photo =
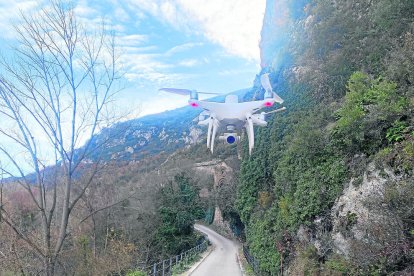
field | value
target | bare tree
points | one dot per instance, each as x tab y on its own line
55	95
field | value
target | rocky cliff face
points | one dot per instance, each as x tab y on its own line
338	189
361	211
223	179
150	135
364	222
275	35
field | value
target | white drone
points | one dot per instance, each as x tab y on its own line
231	116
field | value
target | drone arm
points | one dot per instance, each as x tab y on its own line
256	119
277	110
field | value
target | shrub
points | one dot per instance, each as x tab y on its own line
396	132
370	107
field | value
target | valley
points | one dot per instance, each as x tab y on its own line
328	188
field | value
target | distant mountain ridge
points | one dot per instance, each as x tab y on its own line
164	132
153	136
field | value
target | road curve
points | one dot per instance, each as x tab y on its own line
223	260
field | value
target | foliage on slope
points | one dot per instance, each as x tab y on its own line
156	134
178	209
349	92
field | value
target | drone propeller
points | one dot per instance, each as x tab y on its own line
265	81
208	93
178	91
184	92
277	98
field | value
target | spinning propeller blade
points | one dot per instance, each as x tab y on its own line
277	98
184	92
265	81
208	93
178	91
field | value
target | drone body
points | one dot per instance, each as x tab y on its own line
230	117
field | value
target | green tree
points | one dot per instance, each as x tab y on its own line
179	207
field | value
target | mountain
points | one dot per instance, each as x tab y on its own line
329	187
155	134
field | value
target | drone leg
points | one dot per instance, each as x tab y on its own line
210	126
213	137
250	133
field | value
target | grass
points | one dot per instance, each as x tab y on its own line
248	269
186	264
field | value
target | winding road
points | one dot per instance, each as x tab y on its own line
223	260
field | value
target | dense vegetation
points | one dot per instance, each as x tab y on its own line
347	80
129	219
179	207
350	97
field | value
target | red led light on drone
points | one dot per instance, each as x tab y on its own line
194	104
268	104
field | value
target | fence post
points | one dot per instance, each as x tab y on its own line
179	258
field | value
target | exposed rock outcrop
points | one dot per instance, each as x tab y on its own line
222	175
361	225
364	226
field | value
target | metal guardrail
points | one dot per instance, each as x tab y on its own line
165	267
251	260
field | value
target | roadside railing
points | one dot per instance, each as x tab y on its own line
165	267
251	260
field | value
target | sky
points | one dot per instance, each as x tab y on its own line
207	45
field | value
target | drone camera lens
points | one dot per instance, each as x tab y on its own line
231	139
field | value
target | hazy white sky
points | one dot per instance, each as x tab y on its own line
208	45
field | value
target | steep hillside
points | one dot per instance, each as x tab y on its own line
329	188
151	135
